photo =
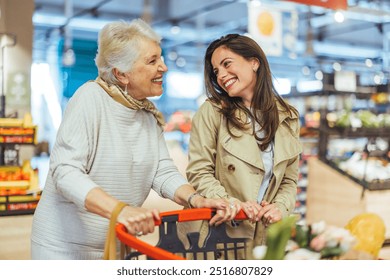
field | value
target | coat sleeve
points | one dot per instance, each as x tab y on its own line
286	195
202	152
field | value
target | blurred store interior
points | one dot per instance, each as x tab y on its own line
330	60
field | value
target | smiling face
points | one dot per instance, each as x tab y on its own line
145	78
235	74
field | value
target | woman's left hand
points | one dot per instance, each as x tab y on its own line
270	213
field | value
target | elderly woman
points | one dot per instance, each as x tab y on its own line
110	148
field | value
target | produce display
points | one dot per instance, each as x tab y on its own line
19	186
367	169
180	121
359	119
369	230
361	238
366	157
381	98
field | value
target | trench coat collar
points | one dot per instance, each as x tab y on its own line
246	149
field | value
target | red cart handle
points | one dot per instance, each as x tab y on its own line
185	215
196	214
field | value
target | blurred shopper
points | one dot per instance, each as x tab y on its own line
244	144
110	148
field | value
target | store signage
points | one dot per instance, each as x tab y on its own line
18	91
331	4
265	27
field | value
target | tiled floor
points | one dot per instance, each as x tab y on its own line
15	237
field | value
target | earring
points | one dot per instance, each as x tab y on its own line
126	89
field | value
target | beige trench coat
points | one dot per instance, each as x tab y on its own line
224	166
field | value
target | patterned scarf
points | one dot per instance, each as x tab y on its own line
123	98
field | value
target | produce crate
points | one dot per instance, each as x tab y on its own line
18	202
18	177
19	190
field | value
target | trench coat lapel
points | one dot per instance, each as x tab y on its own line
244	147
286	145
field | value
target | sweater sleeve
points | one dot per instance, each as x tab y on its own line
74	146
168	178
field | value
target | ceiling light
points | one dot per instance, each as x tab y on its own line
378	79
175	29
181	62
309	86
292	55
336	66
319	75
306	70
282	85
369	63
172	55
339	17
255	3
68	58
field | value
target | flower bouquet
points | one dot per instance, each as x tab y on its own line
318	241
361	238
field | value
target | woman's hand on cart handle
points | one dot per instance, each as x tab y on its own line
137	220
270	213
253	210
228	213
223	207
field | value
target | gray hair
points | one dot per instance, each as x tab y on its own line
118	46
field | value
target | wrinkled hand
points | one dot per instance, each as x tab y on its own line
270	213
137	220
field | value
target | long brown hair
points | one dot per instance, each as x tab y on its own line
265	96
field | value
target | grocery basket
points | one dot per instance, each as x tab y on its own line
217	243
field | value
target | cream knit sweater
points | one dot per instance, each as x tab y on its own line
100	143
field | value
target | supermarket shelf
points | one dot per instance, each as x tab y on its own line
372	186
349	132
21	184
17	212
327	133
11	205
336	199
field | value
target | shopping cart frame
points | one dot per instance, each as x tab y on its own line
169	247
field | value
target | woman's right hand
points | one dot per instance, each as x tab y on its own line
137	220
252	210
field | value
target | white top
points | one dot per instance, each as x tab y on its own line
267	156
100	143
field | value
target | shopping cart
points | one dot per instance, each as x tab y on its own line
217	243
